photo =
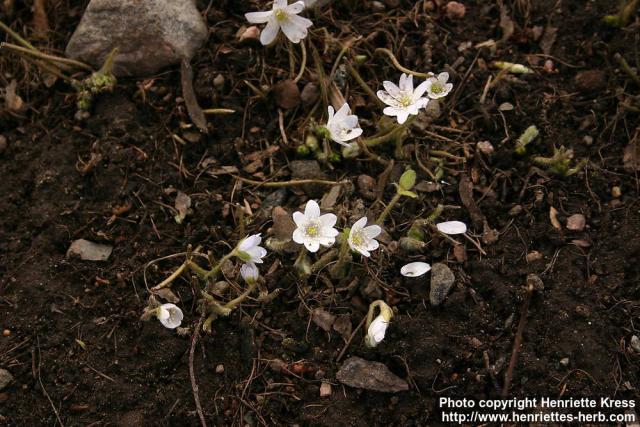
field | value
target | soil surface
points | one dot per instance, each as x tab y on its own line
73	339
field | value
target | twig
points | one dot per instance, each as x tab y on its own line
218	111
395	62
44	390
46	57
288	183
348	343
358	78
16	36
517	342
626	68
192	375
304	62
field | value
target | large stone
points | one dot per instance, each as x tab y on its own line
442	279
360	373
149	34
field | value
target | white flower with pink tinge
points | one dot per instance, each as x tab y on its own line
362	239
314	229
342	125
403	100
282	16
169	315
249	249
437	87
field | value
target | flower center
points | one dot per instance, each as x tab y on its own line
281	15
437	87
406	100
357	238
312	230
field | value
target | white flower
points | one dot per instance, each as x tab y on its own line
170	315
403	100
376	331
249	249
362	239
314	229
249	272
452	227
415	269
437	87
342	126
284	17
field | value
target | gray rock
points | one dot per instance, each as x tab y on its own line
149	35
5	378
635	344
308	169
360	373
442	280
89	251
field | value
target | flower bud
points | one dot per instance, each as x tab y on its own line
407	180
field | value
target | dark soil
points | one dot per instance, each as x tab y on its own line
77	348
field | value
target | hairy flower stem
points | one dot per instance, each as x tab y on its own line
215	270
324	260
388	209
339	270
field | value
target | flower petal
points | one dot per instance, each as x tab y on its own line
311	210
443	77
270	32
391	89
258	17
298	236
295	8
372	245
331	114
312	245
403	115
299	219
294	32
406	83
280	4
343	112
353	133
328	220
257	253
452	227
420	90
385	97
249	242
372	231
414	269
359	224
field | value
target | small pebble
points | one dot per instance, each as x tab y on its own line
485	147
325	389
591	81
533	256
576	222
564	361
5	378
616	192
219	369
635	343
455	10
588	140
6	333
218	81
250	34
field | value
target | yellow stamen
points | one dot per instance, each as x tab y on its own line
281	15
436	88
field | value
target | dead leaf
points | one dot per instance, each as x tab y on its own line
631	157
12	100
506	23
553	217
465	188
40	21
167	294
342	325
182	205
194	110
548	39
286	94
283	225
323	319
329	199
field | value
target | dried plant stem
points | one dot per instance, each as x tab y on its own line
288	183
16	36
192	375
516	343
395	62
56	60
218	111
303	64
358	78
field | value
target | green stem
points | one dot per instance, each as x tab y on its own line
16	36
324	260
343	255
215	270
388	209
358	78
